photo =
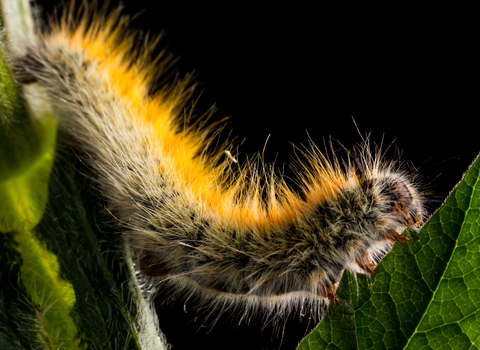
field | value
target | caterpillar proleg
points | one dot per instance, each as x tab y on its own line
233	238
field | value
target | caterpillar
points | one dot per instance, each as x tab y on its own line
233	237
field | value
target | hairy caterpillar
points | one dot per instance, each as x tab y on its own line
238	240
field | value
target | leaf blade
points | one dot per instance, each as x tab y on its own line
455	305
426	294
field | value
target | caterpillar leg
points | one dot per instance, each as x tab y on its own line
394	236
366	264
330	293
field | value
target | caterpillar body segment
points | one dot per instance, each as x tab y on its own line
241	240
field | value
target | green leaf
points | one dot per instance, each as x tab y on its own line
25	136
110	311
35	303
426	294
66	281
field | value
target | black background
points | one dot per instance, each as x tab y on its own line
406	75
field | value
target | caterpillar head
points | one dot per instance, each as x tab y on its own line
398	208
401	202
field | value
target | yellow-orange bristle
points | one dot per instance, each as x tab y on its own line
129	77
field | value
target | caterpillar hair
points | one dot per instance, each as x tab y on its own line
233	237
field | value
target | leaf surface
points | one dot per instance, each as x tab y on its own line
426	294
